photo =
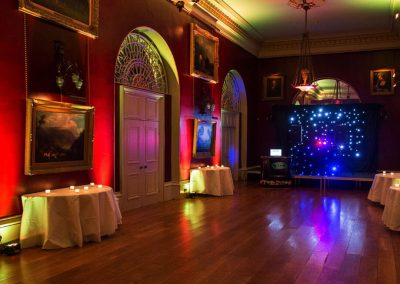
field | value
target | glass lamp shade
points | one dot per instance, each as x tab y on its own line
306	88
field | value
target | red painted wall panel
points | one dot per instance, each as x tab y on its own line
97	58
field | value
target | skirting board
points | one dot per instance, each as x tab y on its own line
9	228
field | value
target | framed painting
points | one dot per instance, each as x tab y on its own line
382	82
273	86
203	54
59	137
79	15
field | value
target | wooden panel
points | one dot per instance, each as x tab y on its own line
134	106
152	110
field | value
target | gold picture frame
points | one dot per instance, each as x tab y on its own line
204	60
382	82
273	87
58	138
79	15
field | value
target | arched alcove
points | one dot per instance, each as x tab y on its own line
234	122
145	65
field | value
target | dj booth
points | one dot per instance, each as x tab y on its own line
275	171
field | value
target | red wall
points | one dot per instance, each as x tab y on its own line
97	59
354	68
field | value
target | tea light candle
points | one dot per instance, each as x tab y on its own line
77	190
47	191
72	187
100	186
396	185
392	173
92	184
199	167
208	166
212	167
85	187
384	172
222	166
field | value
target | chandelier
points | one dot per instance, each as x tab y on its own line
305	76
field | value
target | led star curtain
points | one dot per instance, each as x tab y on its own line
329	140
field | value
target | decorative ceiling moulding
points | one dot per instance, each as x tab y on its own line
338	44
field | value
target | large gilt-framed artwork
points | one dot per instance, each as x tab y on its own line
59	137
273	87
203	54
382	81
79	15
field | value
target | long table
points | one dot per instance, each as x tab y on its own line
212	180
65	217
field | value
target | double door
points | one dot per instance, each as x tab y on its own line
140	158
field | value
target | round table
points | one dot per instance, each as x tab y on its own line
64	217
391	212
380	186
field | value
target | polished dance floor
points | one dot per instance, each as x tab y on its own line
258	235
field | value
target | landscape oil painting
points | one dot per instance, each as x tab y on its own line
59	137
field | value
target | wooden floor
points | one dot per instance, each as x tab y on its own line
259	235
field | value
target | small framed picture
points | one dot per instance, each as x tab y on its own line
382	81
273	86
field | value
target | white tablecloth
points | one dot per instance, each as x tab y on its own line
380	186
391	213
213	180
65	218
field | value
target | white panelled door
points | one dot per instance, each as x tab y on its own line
140	159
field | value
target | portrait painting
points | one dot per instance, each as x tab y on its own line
59	137
273	86
79	15
203	54
382	81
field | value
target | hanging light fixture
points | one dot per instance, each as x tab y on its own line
305	76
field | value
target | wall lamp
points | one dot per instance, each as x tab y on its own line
180	5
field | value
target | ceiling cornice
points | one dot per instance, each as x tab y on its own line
328	45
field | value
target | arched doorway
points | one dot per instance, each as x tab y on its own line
329	91
146	78
234	123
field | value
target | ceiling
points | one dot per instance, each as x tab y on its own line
271	28
275	19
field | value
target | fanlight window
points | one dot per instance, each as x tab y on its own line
230	93
140	65
329	91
